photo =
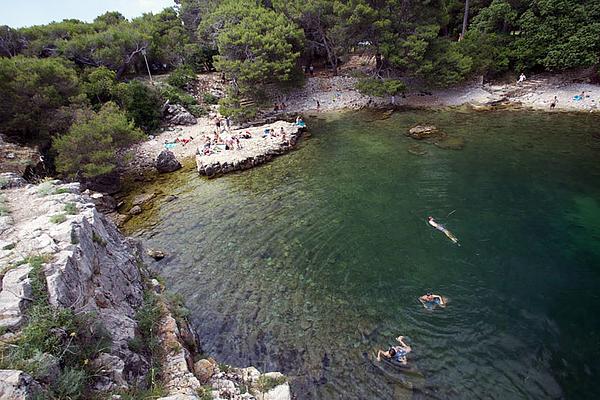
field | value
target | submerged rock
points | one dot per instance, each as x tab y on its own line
156	254
421	132
451	143
166	162
142	199
416	149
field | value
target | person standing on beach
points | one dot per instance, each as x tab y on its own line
522	78
318	104
553	104
311	69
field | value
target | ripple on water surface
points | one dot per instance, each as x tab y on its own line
312	262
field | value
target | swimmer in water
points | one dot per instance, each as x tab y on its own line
442	228
431	300
396	353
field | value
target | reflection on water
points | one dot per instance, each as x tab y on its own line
312	262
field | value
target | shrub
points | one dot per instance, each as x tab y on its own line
380	88
100	85
71	209
89	148
58	218
141	102
177	96
230	106
3	207
181	77
197	110
266	383
70	384
210	98
33	90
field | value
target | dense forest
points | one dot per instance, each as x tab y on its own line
72	85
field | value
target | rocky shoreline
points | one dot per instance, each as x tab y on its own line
52	238
323	93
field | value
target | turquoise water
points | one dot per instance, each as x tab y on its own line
312	262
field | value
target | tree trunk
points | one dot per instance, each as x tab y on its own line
378	61
465	19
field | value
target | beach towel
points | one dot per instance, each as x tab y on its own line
169	146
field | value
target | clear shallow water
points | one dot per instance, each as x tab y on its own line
310	263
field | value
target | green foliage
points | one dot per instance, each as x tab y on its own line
210	98
197	110
70	384
72	340
100	85
256	45
379	87
177	96
33	91
141	102
98	239
181	77
89	148
58	218
230	106
266	383
205	393
148	317
71	209
4	210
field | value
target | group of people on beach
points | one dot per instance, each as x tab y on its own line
429	300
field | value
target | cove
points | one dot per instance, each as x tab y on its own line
310	263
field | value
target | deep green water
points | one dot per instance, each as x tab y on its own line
310	263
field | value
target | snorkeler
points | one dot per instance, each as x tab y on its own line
431	300
396	353
442	228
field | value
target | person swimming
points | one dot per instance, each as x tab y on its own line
396	353
430	301
442	228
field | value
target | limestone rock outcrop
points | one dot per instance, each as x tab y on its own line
17	385
176	114
90	268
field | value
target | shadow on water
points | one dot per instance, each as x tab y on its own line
310	263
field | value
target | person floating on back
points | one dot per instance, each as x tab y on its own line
396	353
430	301
442	228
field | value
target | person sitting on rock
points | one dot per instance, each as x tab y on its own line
396	353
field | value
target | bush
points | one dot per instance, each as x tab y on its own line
141	102
266	383
100	85
177	96
89	148
33	91
71	209
70	384
181	77
3	207
210	98
230	106
197	110
380	88
58	218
